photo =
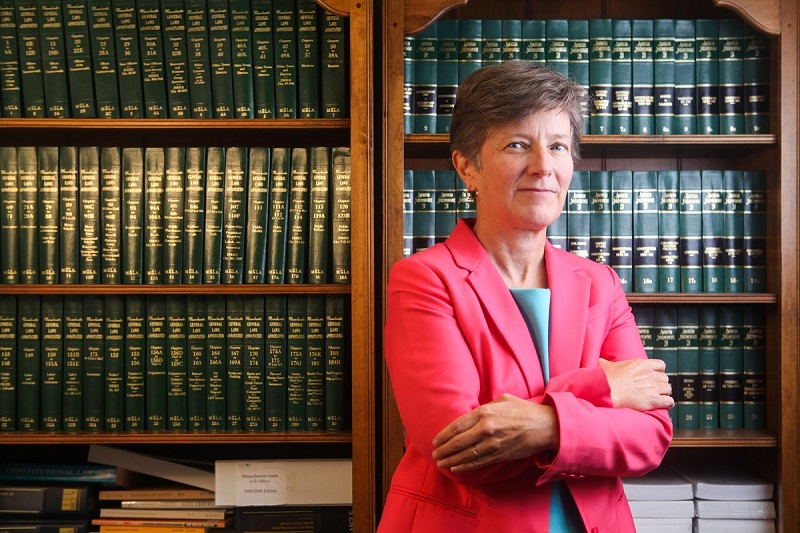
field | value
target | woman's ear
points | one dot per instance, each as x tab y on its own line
463	167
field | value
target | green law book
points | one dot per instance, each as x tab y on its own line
465	201
556	232
534	41
69	209
754	367
212	232
557	45
308	59
177	363
129	62
253	361
94	362
600	75
315	363
133	206
622	227
257	215
685	121
425	76
72	406
275	385
754	242
713	231
491	42
135	362
579	213
621	77
151	50
733	231
296	345
645	231
444	201
669	232
756	81
30	58
278	214
688	396
155	377
645	318
511	40
110	215
79	59
409	44
29	363
600	217
27	167
285	35
49	216
337	406
176	58
319	215
235	215
731	76
114	357
10	88
54	59
665	346
234	361
216	381
198	59
104	58
691	230
334	84
297	224
731	371
470	48
642	77
263	59
173	213
52	375
242	59
194	214
196	351
153	231
8	362
578	65
9	214
707	75
219	41
424	221
408	211
664	75
90	225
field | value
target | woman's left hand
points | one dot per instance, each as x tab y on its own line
505	429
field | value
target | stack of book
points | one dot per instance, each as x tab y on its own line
661	502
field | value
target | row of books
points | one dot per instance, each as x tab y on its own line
174	362
643	77
661	231
109	215
172	59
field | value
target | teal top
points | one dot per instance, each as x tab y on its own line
535	307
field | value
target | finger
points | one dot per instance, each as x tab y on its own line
454	429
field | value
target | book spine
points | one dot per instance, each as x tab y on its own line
79	60
156	362
733	231
754	243
28	207
54	59
90	224
424	221
621	78
257	215
557	45
534	41
340	214
285	35
579	63
685	78
709	367
447	72
336	378
52	356
664	75
135	361
66	503
73	363
198	59
713	230
296	345
194	215
308	59
731	386
622	227
756	81
151	49
688	368
319	215
10	84
669	231
234	361
153	231
642	77
29	363
469	47
691	224
133	208
645	318
665	347
408	212
425	88
212	231
173	29
334	73
216	382
409	67
173	213
8	362
177	363
491	42
197	386
235	215
315	363
94	363
110	215
69	209
253	363
645	231
444	201
219	40
30	59
114	371
600	82
579	213
242	59
9	215
129	64
731	76
297	225
556	232
104	63
275	369
263	59
465	201
707	75
754	367
278	214
600	217
49	216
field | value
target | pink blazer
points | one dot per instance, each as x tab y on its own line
455	339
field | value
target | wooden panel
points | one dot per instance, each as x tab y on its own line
763	14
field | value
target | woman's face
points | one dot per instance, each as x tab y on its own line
525	172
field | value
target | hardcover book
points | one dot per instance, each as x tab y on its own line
642	77
707	75
242	59
257	215
600	75
104	59
664	75
297	224
446	72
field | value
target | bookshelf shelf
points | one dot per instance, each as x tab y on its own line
164	437
702	298
175	289
193	124
710	438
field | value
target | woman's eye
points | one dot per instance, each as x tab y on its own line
559	147
516	145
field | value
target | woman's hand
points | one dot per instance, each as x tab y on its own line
504	429
639	384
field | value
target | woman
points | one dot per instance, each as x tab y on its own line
518	368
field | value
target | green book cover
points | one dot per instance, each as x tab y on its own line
621	77
579	214
319	234
110	215
511	39
688	368
285	35
707	75
198	59
297	225
664	75
733	231
9	214
731	371
135	362
534	41
756	81
296	340
216	381
691	230
491	42
447	45
645	231
151	50
557	45
275	386
234	212
194	214
155	381
54	59
78	60
114	358
176	58
133	208
196	356
465	201
27	167
669	232
408	211
600	75
470	48
104	58
685	121
713	230
278	214
308	59
731	76
556	232
69	209
254	361
212	232
425	80
444	208
234	362
263	59
8	362
219	41
424	221
72	407
153	231
129	64
257	215
409	44
645	318
579	62
10	88
29	363
49	217
754	368
173	213
94	362
337	404
622	226
754	243
177	363
642	77
90	225
242	59
600	217
52	375
315	363
334	74
30	58
665	347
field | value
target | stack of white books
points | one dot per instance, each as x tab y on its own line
661	502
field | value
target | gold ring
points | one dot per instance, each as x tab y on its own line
475	451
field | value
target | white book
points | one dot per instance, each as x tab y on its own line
734	509
733	525
151	466
727	482
663	525
660	484
662	508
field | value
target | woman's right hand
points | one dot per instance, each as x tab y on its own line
639	384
